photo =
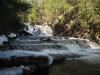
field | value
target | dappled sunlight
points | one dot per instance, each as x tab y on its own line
49	37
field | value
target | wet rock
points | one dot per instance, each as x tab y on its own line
28	63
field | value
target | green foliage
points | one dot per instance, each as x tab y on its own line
97	7
88	10
54	8
47	10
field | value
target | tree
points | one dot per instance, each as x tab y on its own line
9	19
47	10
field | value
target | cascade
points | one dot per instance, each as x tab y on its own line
38	30
42	40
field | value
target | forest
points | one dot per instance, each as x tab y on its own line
50	37
79	18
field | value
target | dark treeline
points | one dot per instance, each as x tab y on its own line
9	11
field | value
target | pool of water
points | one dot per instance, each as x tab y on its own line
74	67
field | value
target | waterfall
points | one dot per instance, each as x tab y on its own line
55	46
86	43
38	30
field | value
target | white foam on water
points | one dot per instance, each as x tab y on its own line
18	53
3	39
92	54
12	35
44	30
38	30
94	59
94	45
88	54
11	71
55	51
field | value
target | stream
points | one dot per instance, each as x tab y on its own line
72	56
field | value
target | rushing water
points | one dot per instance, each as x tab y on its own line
79	53
43	41
38	30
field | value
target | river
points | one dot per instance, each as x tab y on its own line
72	56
